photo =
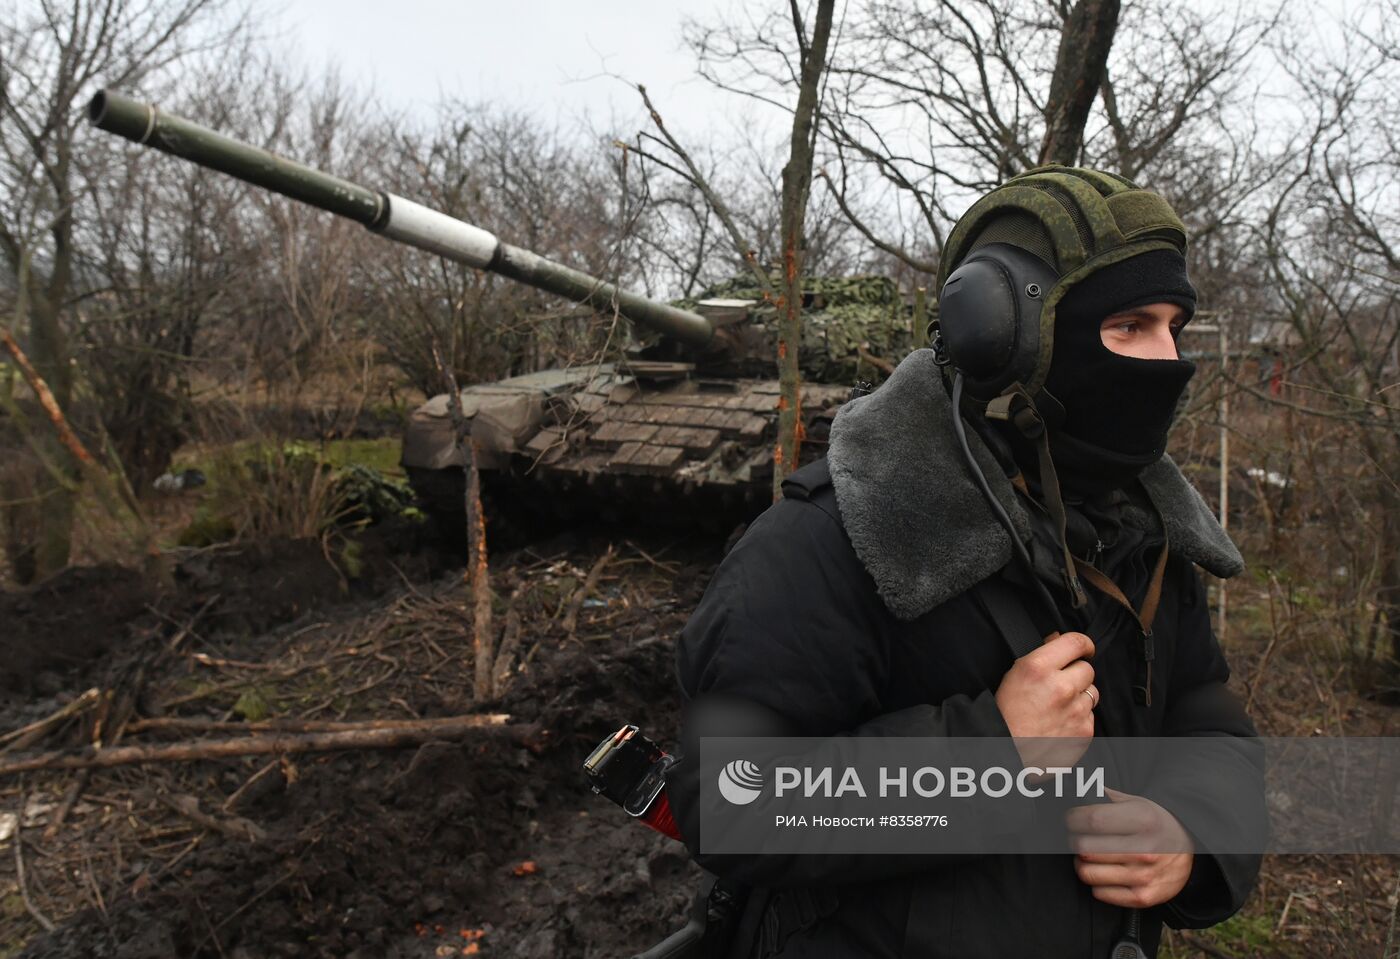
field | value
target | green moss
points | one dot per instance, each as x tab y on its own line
380	454
254	704
189	686
206	529
368	496
12	906
1246	936
18	925
351	558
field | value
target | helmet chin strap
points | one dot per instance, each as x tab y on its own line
1018	408
1019	548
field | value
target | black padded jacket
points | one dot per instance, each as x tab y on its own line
792	623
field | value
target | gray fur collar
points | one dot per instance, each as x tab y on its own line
919	524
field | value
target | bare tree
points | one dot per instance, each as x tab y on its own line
797	186
511	174
1080	66
52	57
1173	78
806	70
931	105
1331	242
162	241
699	249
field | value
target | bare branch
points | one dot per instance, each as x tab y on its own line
742	247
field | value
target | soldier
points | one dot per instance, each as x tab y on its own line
883	595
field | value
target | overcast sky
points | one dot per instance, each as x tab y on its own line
544	56
550	57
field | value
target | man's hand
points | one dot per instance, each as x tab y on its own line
1131	851
1050	694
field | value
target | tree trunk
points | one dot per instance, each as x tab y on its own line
54	361
38	516
62	462
1080	65
1388	589
797	185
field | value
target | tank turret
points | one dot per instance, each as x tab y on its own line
683	426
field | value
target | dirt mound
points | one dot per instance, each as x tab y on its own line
72	618
480	847
53	635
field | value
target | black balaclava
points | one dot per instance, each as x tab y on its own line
1117	409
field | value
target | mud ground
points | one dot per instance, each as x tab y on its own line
485	846
479	847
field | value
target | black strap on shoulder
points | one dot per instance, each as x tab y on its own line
804	483
812	484
1008	611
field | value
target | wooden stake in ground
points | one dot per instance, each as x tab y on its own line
478	578
478	575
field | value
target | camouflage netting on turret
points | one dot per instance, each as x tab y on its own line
840	317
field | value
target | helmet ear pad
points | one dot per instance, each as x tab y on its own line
989	315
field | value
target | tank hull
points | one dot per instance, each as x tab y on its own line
648	441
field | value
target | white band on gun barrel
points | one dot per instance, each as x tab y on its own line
416	225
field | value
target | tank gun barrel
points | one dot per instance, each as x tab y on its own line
383	213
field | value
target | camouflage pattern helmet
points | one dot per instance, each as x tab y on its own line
1076	220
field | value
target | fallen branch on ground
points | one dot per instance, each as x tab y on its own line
383	734
70	799
510	639
29	905
27	735
590	583
187	725
234	827
272	765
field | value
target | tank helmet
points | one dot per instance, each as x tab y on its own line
1016	252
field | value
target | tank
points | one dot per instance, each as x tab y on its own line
679	428
684	435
